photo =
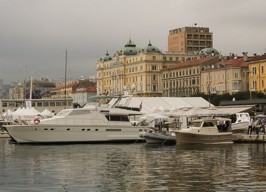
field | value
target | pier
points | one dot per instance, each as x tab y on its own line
246	138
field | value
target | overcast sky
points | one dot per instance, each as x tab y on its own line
35	34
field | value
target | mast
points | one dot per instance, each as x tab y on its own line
30	87
28	102
25	87
65	79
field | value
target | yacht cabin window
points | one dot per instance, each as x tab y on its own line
117	117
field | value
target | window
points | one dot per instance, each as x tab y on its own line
154	88
117	118
254	70
113	129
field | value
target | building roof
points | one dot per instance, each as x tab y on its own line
107	57
208	51
195	62
257	58
235	62
130	48
62	86
151	48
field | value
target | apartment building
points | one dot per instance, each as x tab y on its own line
257	73
189	40
229	75
184	79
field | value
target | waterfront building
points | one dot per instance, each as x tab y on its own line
16	91
62	90
81	92
54	105
184	79
189	40
257	73
228	75
135	70
39	88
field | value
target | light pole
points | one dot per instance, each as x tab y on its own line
250	89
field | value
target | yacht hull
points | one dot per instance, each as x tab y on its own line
240	127
158	138
194	138
43	133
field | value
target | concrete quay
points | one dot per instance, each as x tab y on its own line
246	138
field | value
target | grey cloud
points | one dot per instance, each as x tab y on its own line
36	33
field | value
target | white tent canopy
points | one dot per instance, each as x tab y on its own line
154	116
25	113
46	113
168	103
8	114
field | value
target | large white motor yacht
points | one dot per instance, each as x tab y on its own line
92	123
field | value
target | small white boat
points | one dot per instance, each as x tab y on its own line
241	123
158	137
205	131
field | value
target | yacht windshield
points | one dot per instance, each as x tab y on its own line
63	113
79	112
197	124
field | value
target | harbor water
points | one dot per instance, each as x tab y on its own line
132	167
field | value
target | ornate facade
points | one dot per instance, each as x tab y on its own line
135	70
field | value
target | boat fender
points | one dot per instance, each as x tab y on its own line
36	121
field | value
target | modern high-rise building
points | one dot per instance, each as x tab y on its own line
189	40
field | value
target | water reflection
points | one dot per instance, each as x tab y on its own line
132	167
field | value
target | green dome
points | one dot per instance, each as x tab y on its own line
208	51
150	48
107	57
130	48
